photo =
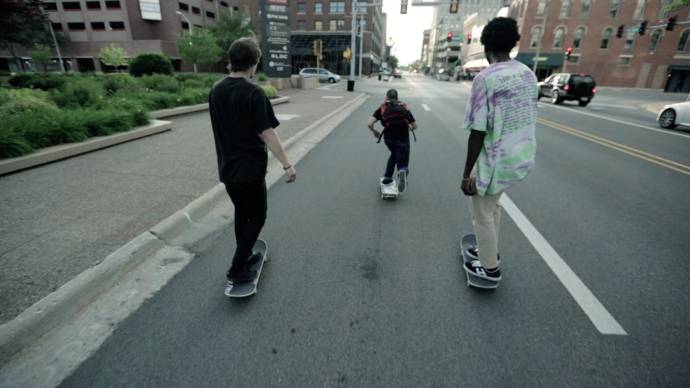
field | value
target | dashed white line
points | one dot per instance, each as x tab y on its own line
332	97
426	107
597	313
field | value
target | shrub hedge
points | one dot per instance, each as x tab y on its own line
49	109
150	64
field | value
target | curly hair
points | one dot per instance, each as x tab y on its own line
500	35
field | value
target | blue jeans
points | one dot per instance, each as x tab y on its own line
400	155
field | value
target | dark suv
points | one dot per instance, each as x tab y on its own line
568	86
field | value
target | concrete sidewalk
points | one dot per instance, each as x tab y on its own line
63	218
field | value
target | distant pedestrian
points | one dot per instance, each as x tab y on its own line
501	117
243	126
397	121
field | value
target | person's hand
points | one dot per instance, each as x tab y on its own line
376	133
468	186
291	174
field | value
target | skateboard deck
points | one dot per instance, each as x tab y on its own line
242	290
470	241
387	193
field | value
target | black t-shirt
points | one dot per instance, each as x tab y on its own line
240	111
395	130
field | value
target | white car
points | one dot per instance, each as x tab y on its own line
323	74
674	115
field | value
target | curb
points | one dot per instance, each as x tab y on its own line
181	110
57	308
64	151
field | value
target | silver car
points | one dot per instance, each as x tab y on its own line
323	74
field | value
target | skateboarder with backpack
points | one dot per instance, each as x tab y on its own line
397	121
501	118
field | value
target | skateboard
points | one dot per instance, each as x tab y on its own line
242	290
470	241
389	191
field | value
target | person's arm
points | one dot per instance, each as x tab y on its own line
272	140
474	147
413	125
370	124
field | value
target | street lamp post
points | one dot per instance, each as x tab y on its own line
353	43
189	27
57	47
361	44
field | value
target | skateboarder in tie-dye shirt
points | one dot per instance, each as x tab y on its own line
501	117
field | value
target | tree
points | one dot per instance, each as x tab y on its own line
228	29
41	54
113	56
198	47
678	4
22	23
393	62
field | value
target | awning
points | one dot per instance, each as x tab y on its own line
545	59
476	64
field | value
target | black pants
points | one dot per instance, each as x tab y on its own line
249	199
400	155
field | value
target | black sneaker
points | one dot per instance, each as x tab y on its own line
246	276
475	267
402	180
253	259
473	253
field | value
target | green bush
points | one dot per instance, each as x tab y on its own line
81	92
157	100
193	96
102	122
121	83
48	128
12	143
136	110
270	91
39	81
261	77
22	100
160	83
193	84
22	80
150	64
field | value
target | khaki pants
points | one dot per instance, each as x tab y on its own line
486	213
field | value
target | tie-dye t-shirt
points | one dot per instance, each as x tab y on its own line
504	106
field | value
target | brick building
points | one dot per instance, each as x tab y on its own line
138	26
658	59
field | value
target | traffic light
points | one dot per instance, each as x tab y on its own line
643	27
318	47
403	7
671	23
619	33
449	37
454	6
568	52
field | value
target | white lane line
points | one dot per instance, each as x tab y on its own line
332	97
667	132
597	313
426	107
286	116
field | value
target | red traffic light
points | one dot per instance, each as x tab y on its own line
569	50
449	37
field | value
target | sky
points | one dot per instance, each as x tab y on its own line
407	31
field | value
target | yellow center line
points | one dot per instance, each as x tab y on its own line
670	164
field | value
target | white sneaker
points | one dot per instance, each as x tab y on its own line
389	188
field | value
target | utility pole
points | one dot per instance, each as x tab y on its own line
353	44
361	43
57	47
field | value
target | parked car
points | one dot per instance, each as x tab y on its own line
568	86
323	74
397	74
673	115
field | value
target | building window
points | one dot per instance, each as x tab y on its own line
340	25
98	26
614	8
663	13
579	34
301	8
565	9
332	25
301	25
683	42
196	10
337	8
183	6
76	26
639	9
586	7
56	26
654	41
630	39
93	5
536	37
541	6
112	4
117	26
185	26
318	25
210	14
574	59
318	8
50	6
362	9
224	4
71	6
606	37
558	37
624	60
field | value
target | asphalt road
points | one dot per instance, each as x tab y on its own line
362	292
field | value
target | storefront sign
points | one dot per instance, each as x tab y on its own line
150	9
275	38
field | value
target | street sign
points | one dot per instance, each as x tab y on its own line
540	59
275	38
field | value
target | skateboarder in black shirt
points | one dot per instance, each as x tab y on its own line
243	127
397	121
